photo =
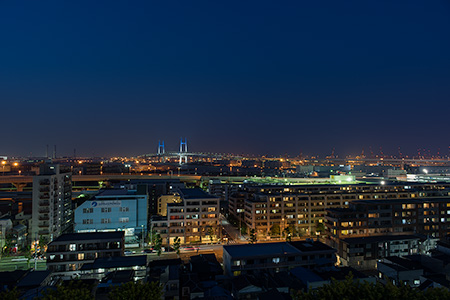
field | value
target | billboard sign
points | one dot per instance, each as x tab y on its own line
108	203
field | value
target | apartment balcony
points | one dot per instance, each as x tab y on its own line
44	182
43	232
44	203
44	210
44	189
45	196
44	218
43	225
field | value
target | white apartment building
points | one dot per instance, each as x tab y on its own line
52	212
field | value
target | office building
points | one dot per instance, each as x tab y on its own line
114	210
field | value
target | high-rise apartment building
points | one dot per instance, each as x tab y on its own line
52	213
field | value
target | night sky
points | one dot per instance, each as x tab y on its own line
263	77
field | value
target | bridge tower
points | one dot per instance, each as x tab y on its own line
183	150
161	149
183	143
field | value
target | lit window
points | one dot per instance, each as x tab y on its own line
72	247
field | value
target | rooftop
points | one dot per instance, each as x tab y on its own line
263	249
308	246
90	236
403	262
115	192
195	194
116	262
378	239
165	262
34	278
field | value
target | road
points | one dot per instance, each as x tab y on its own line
20	263
217	249
232	231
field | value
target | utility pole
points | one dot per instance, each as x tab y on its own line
142	236
35	252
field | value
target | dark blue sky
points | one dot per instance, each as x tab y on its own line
269	77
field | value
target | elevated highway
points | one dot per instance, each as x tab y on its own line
104	177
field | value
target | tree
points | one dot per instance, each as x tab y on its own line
9	294
7	248
275	230
301	232
176	245
320	227
43	242
75	289
288	234
158	244
152	236
142	291
244	228
350	289
210	232
252	239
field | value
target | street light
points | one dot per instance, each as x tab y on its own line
142	236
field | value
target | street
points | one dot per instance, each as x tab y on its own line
20	263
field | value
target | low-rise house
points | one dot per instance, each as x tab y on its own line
397	270
168	273
102	266
313	279
249	258
364	252
69	252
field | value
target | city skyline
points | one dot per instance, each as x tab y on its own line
111	78
52	151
